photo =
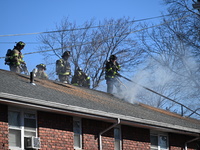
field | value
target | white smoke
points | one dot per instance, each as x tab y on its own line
149	78
177	83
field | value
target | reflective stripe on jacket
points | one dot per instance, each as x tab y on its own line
63	67
111	69
17	58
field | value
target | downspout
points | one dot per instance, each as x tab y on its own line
191	141
100	140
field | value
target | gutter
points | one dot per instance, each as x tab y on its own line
114	125
197	138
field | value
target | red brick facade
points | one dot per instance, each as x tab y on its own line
177	142
90	129
135	138
56	132
132	138
3	127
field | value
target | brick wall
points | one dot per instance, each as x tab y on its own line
132	138
177	142
107	137
55	131
91	130
135	138
3	127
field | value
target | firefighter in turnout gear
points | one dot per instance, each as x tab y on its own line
63	68
15	58
112	68
86	81
81	79
39	71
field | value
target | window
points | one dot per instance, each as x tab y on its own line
22	123
77	133
117	136
159	141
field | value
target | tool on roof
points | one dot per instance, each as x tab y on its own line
121	83
24	69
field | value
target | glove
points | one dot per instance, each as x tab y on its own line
117	74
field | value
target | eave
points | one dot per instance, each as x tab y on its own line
45	105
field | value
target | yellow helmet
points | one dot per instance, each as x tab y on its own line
41	66
20	44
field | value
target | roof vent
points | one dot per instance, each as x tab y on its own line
32	78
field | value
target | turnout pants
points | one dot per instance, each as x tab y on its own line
16	69
64	78
111	82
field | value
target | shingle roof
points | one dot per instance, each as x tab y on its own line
54	91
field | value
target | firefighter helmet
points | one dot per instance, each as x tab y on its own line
66	53
41	66
20	44
113	57
80	69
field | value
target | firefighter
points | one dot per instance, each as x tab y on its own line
80	78
86	81
76	77
39	71
112	68
16	58
63	68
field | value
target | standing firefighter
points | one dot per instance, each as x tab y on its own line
63	68
14	58
112	68
39	71
80	78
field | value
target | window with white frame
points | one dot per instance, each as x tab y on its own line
159	141
117	136
77	133
22	123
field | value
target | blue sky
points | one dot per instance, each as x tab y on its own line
31	16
